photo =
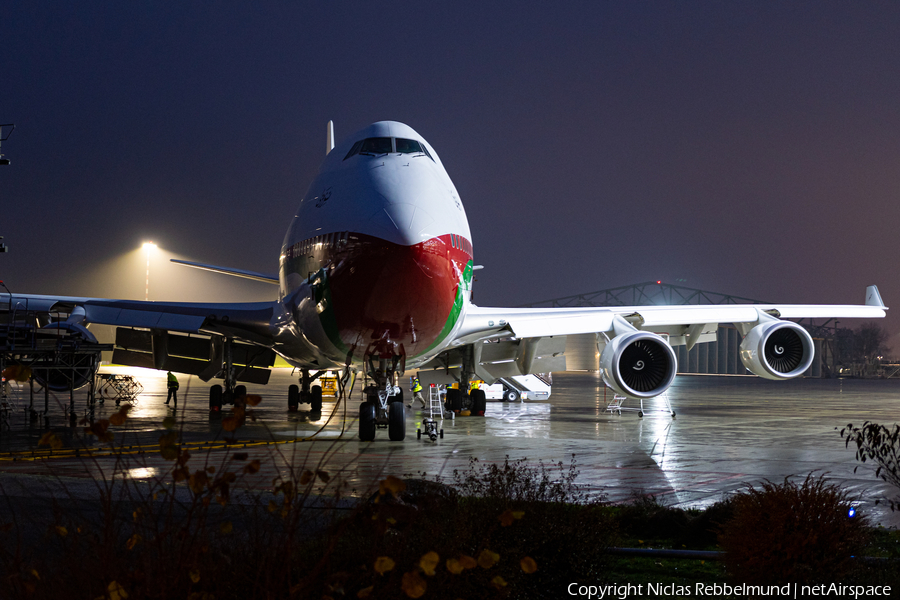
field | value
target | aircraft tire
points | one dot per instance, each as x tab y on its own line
454	400
240	391
315	398
367	422
215	398
293	397
479	402
397	422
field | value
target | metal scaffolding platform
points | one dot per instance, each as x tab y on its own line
54	357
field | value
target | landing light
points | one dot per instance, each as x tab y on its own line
659	281
852	512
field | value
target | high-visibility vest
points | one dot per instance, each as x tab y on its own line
417	387
173	381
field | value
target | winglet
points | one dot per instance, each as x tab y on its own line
329	138
873	298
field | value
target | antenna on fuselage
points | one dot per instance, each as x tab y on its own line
329	139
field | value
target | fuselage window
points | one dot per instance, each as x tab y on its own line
379	145
354	149
408	146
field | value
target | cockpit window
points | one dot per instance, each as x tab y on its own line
408	146
379	145
385	145
354	149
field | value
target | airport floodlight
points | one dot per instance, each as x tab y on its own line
149	247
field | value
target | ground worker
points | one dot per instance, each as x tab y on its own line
173	388
416	389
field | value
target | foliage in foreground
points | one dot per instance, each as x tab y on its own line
877	443
792	533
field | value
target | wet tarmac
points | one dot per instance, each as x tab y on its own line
728	432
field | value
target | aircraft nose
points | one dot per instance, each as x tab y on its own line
403	196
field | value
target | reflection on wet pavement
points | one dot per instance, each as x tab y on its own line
729	431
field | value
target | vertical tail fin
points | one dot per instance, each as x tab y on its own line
329	140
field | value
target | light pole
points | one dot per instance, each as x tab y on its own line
149	246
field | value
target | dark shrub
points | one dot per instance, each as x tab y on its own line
791	533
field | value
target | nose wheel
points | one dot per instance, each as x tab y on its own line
383	408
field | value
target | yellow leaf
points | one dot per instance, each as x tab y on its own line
467	562
306	477
487	559
133	541
365	592
272	506
116	591
392	485
169	423
35	573
50	439
498	582
324	476
210	469
253	400
413	585
195	575
508	516
61	531
454	566
528	565
391	520
428	562
230	423
252	467
240	456
383	564
226	527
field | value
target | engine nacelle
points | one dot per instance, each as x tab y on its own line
80	368
777	350
639	364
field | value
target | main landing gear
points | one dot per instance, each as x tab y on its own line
383	408
306	393
227	393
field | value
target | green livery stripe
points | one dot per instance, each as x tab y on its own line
465	284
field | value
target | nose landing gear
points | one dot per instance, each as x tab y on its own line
383	408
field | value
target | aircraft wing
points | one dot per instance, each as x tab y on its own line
148	332
488	323
502	342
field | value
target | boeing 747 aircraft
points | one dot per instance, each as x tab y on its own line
375	277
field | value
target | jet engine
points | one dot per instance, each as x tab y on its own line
777	350
74	370
639	364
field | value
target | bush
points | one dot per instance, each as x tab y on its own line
880	444
508	533
792	533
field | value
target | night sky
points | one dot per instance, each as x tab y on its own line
744	148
